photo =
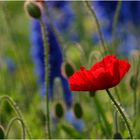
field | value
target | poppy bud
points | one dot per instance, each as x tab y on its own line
117	136
78	110
2	132
32	9
67	69
59	111
133	82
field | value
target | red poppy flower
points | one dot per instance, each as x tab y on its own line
103	75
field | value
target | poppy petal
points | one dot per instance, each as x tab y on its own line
103	75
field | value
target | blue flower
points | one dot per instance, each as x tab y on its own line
128	22
130	44
55	60
61	14
57	4
129	11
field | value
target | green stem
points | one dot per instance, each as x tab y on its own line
10	125
98	25
17	111
121	111
115	21
46	59
114	26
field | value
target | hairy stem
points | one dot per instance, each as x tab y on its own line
115	21
10	125
17	111
98	25
46	60
121	111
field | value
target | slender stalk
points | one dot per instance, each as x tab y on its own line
121	111
114	26
10	125
46	59
98	25
115	21
17	111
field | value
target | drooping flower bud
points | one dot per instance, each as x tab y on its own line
117	136
67	69
59	111
2	132
32	9
78	111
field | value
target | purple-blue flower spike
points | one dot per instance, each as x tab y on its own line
55	60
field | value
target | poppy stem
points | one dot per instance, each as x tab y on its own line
115	20
121	111
46	60
17	110
12	121
98	25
